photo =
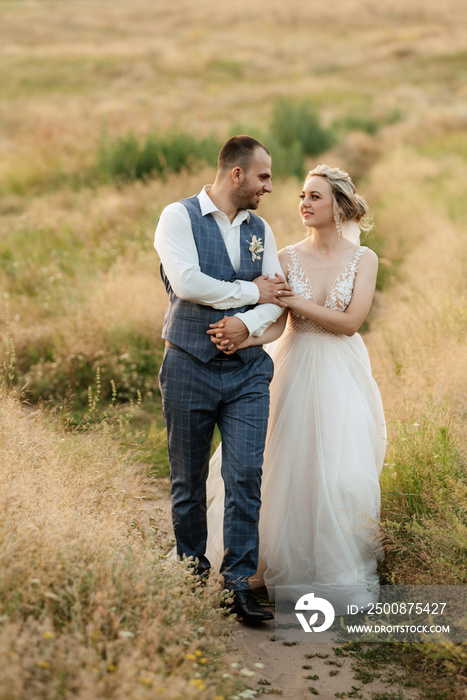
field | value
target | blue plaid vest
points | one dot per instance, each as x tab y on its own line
185	322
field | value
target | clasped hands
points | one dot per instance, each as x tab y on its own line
230	333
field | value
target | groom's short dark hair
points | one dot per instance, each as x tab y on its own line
238	152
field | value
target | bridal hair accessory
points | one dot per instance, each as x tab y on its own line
351	231
255	248
338	225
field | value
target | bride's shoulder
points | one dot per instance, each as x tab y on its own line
292	249
367	260
286	253
367	254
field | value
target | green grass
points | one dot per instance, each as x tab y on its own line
366	120
125	158
294	132
49	76
450	143
424	501
299	122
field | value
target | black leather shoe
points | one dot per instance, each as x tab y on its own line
248	609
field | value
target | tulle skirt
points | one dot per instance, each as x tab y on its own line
320	491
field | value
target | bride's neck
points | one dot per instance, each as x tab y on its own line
325	240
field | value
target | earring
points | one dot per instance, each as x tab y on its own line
338	225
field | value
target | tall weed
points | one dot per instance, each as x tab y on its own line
424	494
7	357
125	158
299	123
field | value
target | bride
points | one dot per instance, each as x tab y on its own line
326	437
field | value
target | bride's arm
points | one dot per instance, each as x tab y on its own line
273	332
349	321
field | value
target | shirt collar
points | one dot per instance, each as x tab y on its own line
208	207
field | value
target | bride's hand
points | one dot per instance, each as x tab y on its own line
294	302
246	343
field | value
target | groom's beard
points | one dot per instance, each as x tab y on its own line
246	197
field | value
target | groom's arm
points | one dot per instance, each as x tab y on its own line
175	245
231	332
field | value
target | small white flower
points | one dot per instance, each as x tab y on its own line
125	634
246	672
255	248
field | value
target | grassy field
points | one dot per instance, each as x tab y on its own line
82	303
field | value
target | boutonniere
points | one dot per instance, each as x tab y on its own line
255	246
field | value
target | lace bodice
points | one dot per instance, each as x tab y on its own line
338	297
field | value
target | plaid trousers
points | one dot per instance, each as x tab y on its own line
195	397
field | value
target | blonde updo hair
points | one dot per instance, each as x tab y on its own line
347	204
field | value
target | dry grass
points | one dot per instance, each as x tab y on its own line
90	608
143	65
418	342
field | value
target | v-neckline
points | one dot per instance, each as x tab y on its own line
335	281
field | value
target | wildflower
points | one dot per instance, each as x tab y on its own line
145	681
43	664
48	635
125	634
198	652
198	683
190	657
246	672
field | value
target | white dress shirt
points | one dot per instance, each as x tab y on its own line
176	247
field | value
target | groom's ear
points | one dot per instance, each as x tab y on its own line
237	175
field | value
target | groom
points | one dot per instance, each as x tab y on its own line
219	262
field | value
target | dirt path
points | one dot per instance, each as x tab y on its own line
293	671
289	671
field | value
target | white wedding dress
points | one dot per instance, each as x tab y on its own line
324	452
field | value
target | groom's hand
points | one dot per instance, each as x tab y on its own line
228	334
272	289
